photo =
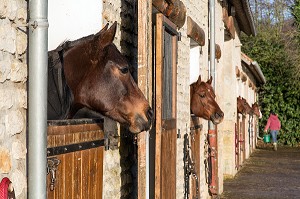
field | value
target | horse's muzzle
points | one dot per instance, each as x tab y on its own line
150	115
142	123
217	117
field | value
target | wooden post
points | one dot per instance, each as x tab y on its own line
145	83
195	32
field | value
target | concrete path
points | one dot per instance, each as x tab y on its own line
267	174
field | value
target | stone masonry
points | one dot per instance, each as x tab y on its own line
13	93
119	182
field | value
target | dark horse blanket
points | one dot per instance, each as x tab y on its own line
59	94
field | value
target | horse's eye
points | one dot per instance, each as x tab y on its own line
202	95
124	70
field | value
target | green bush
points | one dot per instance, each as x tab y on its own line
281	93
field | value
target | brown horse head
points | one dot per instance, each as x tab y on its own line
256	110
99	78
243	107
203	103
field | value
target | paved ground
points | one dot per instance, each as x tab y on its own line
267	174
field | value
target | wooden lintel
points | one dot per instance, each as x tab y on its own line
228	22
195	32
225	13
160	5
243	77
217	50
250	84
237	71
230	26
175	10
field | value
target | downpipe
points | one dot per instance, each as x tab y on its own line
212	132
37	98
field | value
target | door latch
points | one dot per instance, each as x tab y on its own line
52	164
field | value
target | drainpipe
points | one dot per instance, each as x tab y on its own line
212	132
37	102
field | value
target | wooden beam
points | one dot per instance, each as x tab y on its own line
244	77
250	84
160	5
228	22
176	12
195	32
173	9
237	72
145	84
217	51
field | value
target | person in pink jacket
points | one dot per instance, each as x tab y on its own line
274	125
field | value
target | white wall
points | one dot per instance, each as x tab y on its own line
72	19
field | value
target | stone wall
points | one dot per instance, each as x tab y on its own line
13	93
120	165
198	11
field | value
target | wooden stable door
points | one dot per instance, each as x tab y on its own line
75	159
165	107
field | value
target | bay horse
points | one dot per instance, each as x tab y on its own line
91	73
243	107
203	103
256	110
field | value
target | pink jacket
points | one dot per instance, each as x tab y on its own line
273	123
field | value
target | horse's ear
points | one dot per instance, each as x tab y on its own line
199	80
102	30
108	35
210	80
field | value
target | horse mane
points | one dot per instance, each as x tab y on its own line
67	44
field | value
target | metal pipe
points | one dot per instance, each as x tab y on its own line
212	132
37	102
212	53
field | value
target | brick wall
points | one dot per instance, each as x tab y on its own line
13	93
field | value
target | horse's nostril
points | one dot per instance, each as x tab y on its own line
219	115
150	114
222	114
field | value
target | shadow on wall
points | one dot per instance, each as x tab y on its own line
128	146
